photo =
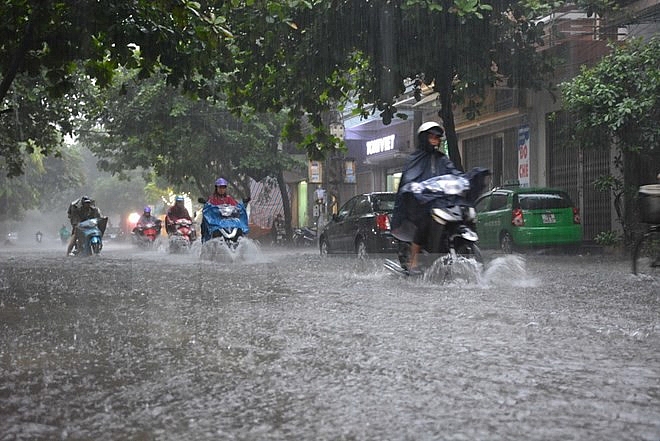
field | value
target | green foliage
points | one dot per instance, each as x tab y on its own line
43	43
618	98
187	142
608	238
45	184
120	195
364	51
615	103
29	124
308	57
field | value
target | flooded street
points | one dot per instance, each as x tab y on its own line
286	345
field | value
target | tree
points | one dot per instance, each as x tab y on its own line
364	51
34	124
616	103
43	185
303	56
53	40
187	142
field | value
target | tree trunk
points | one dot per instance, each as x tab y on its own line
285	203
447	115
16	61
452	139
444	79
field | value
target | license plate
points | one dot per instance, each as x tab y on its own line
548	218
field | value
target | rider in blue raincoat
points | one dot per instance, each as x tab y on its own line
212	216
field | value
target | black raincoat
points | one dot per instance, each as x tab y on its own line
426	162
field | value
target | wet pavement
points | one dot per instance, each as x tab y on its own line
284	345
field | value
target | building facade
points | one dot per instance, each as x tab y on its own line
519	135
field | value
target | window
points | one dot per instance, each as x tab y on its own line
362	207
544	201
499	201
346	209
482	204
384	202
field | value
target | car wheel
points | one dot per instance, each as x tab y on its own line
506	243
323	247
361	249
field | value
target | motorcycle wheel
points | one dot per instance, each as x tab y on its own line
436	242
469	250
96	248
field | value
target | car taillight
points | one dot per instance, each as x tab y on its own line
576	215
517	218
382	222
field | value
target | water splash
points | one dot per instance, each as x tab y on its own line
508	270
459	271
247	251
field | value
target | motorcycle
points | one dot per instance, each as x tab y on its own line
146	234
181	236
229	222
64	235
304	237
39	236
279	233
89	234
452	234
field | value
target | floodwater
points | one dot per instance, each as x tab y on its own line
281	344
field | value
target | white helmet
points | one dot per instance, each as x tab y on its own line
432	127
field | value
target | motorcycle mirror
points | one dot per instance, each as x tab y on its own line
201	200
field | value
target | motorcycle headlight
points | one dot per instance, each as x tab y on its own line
227	210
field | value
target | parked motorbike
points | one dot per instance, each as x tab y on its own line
229	222
452	236
181	236
89	234
145	234
304	237
278	233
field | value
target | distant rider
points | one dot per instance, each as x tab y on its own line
174	213
80	210
64	233
147	219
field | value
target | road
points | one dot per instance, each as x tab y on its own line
286	345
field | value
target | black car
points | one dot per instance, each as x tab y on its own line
362	226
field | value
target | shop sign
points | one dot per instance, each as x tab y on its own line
315	172
380	145
349	172
523	156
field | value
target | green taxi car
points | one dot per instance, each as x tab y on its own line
519	217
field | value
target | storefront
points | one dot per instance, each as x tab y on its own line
380	152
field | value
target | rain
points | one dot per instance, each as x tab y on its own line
286	344
522	322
